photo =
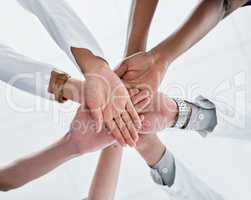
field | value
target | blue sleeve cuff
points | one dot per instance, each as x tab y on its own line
163	173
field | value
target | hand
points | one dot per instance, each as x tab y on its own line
161	113
108	100
142	70
83	135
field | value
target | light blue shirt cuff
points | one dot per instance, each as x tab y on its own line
203	118
163	173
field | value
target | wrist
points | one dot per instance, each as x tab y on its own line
74	90
75	145
173	112
68	147
167	51
158	57
87	61
152	150
169	110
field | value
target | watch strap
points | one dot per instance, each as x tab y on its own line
56	85
183	115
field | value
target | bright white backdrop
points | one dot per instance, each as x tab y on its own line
225	164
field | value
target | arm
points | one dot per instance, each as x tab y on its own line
80	139
163	112
149	68
139	24
35	77
55	16
34	166
170	174
80	45
105	180
202	20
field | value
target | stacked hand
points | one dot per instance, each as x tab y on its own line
157	115
83	135
108	100
142	70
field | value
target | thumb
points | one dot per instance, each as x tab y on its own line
121	70
97	116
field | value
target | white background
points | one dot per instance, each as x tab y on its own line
223	163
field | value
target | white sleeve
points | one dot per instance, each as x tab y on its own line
64	26
187	186
233	120
24	73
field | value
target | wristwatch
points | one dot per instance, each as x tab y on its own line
183	115
56	84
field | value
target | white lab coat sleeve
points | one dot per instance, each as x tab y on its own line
187	186
24	73
233	121
64	25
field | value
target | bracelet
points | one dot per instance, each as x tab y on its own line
56	85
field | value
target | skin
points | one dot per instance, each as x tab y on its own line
159	114
109	102
75	90
104	185
147	69
151	149
82	139
138	29
78	141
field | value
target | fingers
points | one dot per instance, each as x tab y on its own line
123	128
142	117
112	126
97	116
128	121
132	92
134	115
140	107
140	96
121	70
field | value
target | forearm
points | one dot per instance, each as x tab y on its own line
202	20
34	77
73	90
151	149
34	166
159	159
104	184
140	20
87	61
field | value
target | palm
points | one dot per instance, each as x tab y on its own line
108	100
83	132
105	90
